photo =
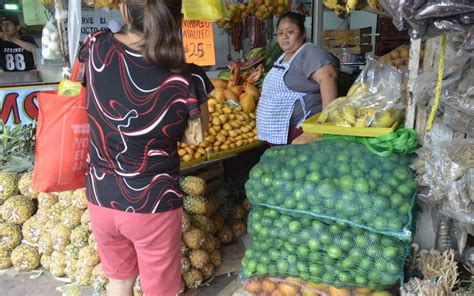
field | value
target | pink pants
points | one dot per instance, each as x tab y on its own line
133	244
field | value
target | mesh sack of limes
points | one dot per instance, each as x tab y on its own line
321	251
339	181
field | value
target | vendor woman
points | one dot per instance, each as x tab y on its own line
301	83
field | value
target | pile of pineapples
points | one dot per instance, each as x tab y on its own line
207	225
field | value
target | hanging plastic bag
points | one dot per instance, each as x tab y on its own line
50	43
208	10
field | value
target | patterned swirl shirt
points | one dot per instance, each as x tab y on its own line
137	112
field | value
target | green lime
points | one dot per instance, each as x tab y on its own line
266	180
289	203
344	277
385	190
365	264
361	185
264	232
392	182
326	188
247	273
360	241
379	265
301	266
334	252
401	174
256	172
294	239
405	190
291	259
313	244
344	169
305	234
392	268
389	253
346	243
380	224
328	278
335	229
356	254
251	266
262	270
357	173
347	263
300	173
315	269
325	238
265	259
374	276
313	166
294	226
315	256
375	174
282	266
286	174
314	177
396	200
360	280
274	253
404	208
302	251
317	226
302	206
381	203
374	251
346	182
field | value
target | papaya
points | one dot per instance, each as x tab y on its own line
248	103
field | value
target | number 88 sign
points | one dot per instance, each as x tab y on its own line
198	41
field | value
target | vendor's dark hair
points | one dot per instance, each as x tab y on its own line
295	18
159	21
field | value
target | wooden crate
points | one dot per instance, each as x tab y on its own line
355	41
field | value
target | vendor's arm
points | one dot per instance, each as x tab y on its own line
326	77
25	45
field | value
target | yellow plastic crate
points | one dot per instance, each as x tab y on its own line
221	154
186	164
310	125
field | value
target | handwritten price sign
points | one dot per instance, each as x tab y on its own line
198	39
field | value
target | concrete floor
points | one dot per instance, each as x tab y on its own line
46	285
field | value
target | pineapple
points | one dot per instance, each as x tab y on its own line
56	212
83	273
216	258
88	256
26	187
8	185
70	269
185	223
42	215
204	223
239	228
58	263
79	199
137	288
192	185
195	204
45	244
5	261
86	220
17	209
65	198
61	237
194	238
72	252
32	230
46	200
208	271
45	261
193	278
185	264
71	217
225	234
210	244
199	258
237	212
213	205
218	220
25	258
99	280
10	236
79	236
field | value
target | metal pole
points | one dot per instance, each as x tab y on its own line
317	25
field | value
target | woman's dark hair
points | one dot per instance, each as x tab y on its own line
159	21
295	18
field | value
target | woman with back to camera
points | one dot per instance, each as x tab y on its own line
138	99
301	83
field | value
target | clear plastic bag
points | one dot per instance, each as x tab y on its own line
444	8
50	43
374	100
339	181
394	8
319	251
